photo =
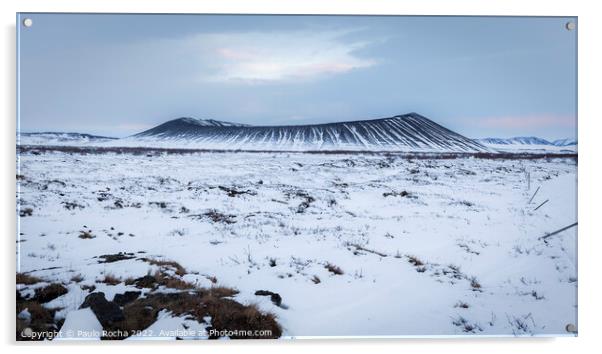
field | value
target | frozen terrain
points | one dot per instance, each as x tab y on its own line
355	245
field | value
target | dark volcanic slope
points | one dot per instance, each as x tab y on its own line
409	132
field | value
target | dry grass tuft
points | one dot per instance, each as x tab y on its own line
211	278
27	279
42	320
415	261
230	315
474	284
179	270
462	305
362	248
49	293
222	291
334	269
226	314
172	282
86	235
110	279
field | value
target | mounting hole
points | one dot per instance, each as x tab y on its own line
28	22
571	328
570	26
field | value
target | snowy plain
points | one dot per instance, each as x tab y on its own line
425	246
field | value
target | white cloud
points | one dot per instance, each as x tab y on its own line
264	57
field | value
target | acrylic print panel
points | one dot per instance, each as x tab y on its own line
236	176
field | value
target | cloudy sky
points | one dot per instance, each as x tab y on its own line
117	75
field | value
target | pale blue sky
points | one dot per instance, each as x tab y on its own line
119	74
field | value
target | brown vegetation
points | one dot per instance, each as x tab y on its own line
49	293
85	235
462	305
27	279
110	279
226	314
175	266
474	284
333	269
40	319
415	261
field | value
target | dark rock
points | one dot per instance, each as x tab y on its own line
89	288
275	297
396	194
26	212
126	298
263	293
110	258
232	192
106	311
216	216
147	281
308	199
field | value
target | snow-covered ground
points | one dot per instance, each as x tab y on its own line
534	149
426	246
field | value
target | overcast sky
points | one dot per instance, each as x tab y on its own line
117	75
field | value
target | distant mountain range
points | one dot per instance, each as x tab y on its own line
408	132
527	140
60	138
